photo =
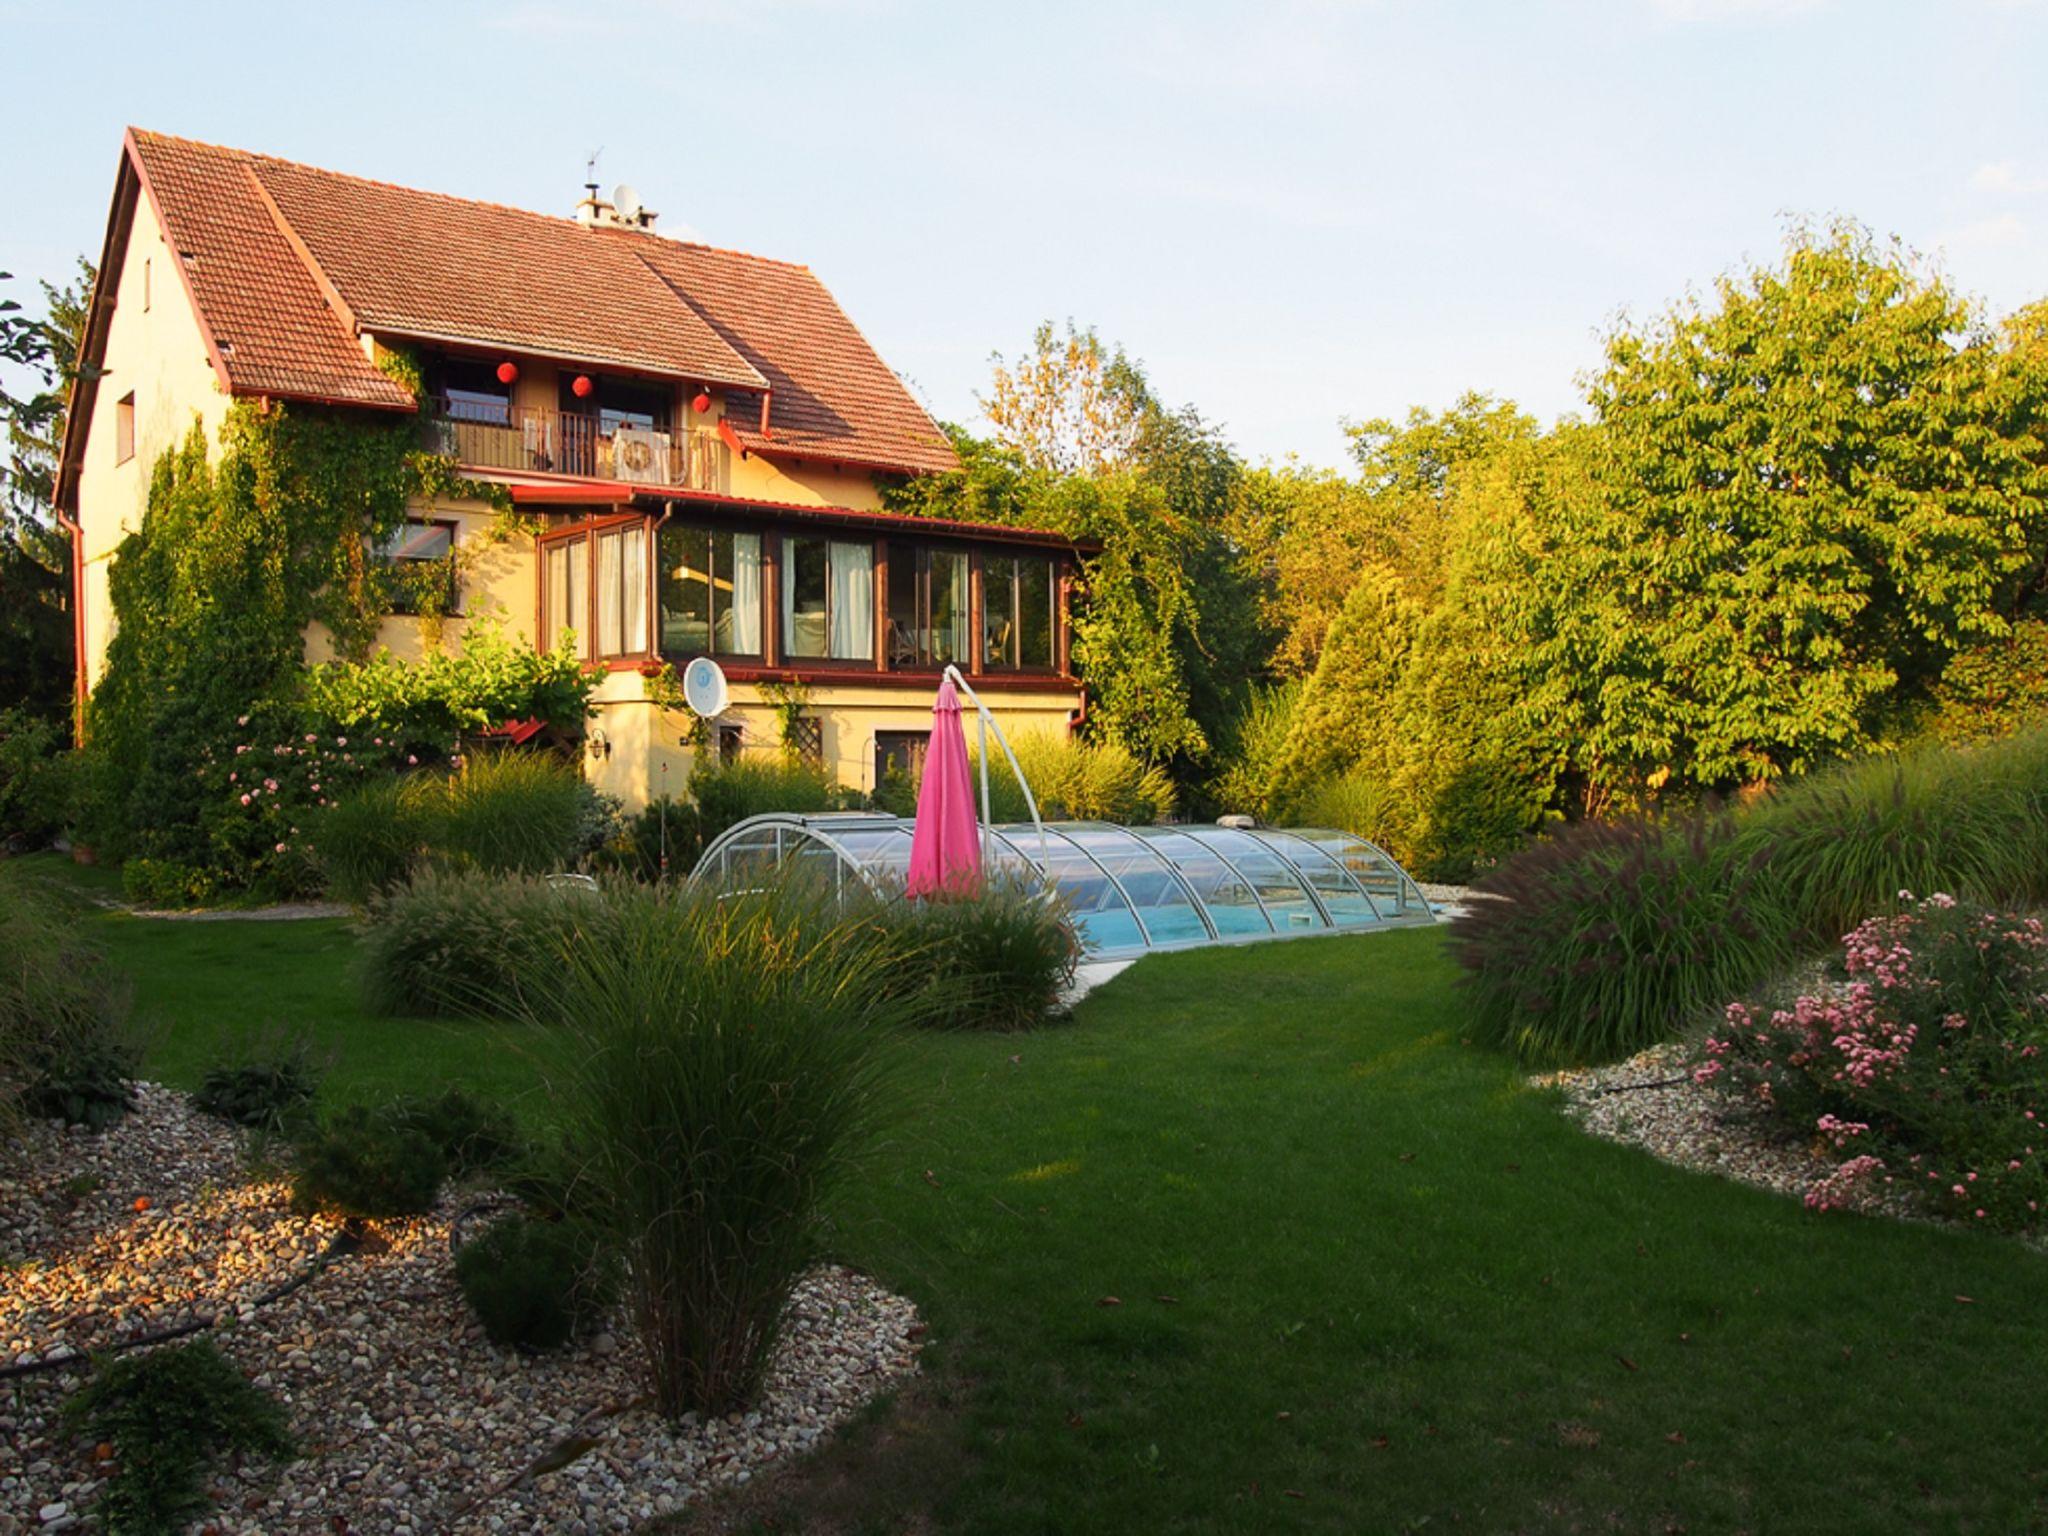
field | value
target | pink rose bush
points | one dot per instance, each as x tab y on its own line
1924	1066
277	776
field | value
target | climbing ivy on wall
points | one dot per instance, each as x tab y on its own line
236	553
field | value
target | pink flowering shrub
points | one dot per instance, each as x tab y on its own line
266	788
1924	1066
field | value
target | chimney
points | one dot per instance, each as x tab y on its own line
622	211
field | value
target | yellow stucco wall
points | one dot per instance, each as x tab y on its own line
497	586
155	351
639	752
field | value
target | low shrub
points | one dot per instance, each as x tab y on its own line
533	1284
720	1067
509	813
1350	802
728	793
1607	938
1254	748
166	884
1000	960
662	842
473	1137
463	942
170	1415
66	1049
369	839
1075	780
266	1086
38	779
363	1164
1924	1066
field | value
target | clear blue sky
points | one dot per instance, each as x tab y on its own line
1293	213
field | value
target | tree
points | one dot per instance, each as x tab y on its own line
1167	628
35	632
1805	499
1316	532
1065	406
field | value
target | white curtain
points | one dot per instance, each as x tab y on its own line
634	576
853	601
608	616
746	594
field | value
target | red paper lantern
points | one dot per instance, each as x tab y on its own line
508	373
582	386
702	404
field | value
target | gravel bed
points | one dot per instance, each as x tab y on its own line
1651	1101
408	1419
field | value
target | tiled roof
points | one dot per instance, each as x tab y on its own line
286	262
834	398
272	330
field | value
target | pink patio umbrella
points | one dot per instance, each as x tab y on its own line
945	846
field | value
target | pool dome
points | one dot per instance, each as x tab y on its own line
1129	890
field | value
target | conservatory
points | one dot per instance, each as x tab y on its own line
1129	890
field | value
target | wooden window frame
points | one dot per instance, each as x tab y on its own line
768	613
1057	577
454	574
591	527
836	666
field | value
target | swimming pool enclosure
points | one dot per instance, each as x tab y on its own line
1129	890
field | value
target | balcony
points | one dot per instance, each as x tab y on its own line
521	440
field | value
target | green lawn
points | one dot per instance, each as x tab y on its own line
1367	1280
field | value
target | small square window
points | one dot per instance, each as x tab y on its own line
124	428
421	556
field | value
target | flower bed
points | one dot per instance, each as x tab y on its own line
1920	1066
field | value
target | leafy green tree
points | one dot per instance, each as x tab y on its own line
1808	495
1167	629
35	629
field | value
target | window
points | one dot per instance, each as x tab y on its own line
471	390
617	403
927	606
1019	597
145	284
710	591
622	591
828	599
899	757
567	594
124	428
421	555
731	738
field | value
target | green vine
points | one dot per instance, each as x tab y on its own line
788	701
237	552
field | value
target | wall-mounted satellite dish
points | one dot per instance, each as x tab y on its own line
704	687
626	202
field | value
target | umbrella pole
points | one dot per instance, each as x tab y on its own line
988	719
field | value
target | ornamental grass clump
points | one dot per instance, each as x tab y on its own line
1843	841
509	813
721	1067
463	943
67	1051
1923	1066
1001	959
1609	937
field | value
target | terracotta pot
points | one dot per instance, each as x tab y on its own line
81	854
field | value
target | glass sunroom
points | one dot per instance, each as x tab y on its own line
1129	890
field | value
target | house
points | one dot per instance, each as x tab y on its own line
701	437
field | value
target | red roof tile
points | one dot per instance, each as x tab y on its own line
834	398
288	262
272	331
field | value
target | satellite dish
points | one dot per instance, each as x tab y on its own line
704	687
627	203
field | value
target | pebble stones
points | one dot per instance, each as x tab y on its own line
409	1420
1651	1101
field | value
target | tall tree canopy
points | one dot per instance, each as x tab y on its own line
35	630
1167	629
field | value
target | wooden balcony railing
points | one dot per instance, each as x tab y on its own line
522	440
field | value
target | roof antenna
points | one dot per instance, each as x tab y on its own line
590	182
